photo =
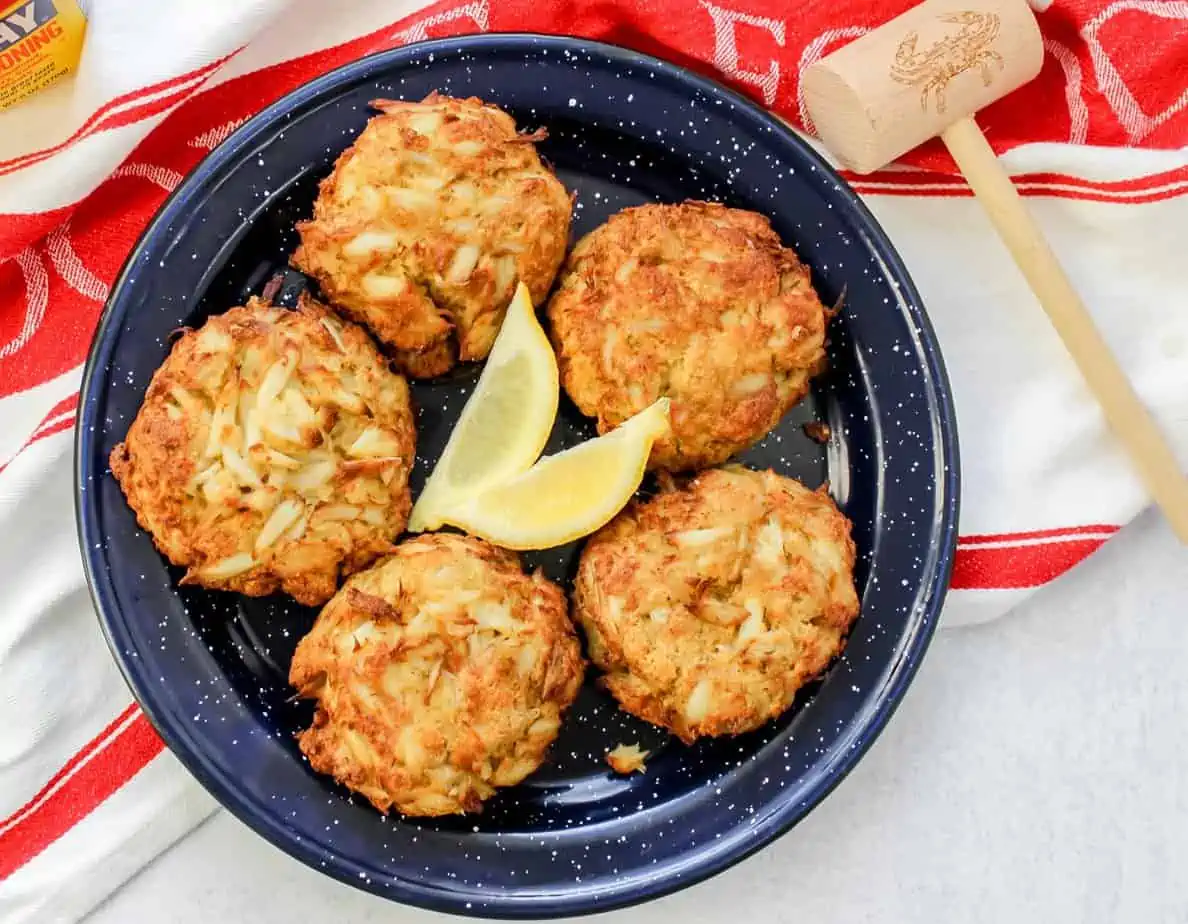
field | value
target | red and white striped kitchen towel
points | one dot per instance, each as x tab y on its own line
1097	144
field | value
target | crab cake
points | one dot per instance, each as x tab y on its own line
710	605
428	221
439	674
695	301
272	452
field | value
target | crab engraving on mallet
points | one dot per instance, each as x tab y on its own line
966	48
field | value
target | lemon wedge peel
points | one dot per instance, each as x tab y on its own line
566	496
505	423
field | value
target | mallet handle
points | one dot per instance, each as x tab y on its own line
1130	419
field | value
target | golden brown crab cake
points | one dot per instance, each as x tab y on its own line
697	302
711	604
428	221
440	674
272	452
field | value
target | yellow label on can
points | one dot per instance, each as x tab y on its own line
40	41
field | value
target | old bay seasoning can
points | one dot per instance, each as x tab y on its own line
40	41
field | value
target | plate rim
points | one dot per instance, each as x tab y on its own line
900	672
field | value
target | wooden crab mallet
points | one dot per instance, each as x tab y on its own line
925	74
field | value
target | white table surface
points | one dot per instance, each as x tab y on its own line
1035	772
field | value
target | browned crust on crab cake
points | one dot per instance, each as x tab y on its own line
710	605
695	301
271	452
440	674
428	221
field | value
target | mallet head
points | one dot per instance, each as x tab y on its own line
907	81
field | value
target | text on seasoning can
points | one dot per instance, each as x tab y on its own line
40	41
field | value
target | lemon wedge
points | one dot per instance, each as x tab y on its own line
566	496
505	424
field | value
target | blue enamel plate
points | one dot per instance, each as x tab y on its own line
209	668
